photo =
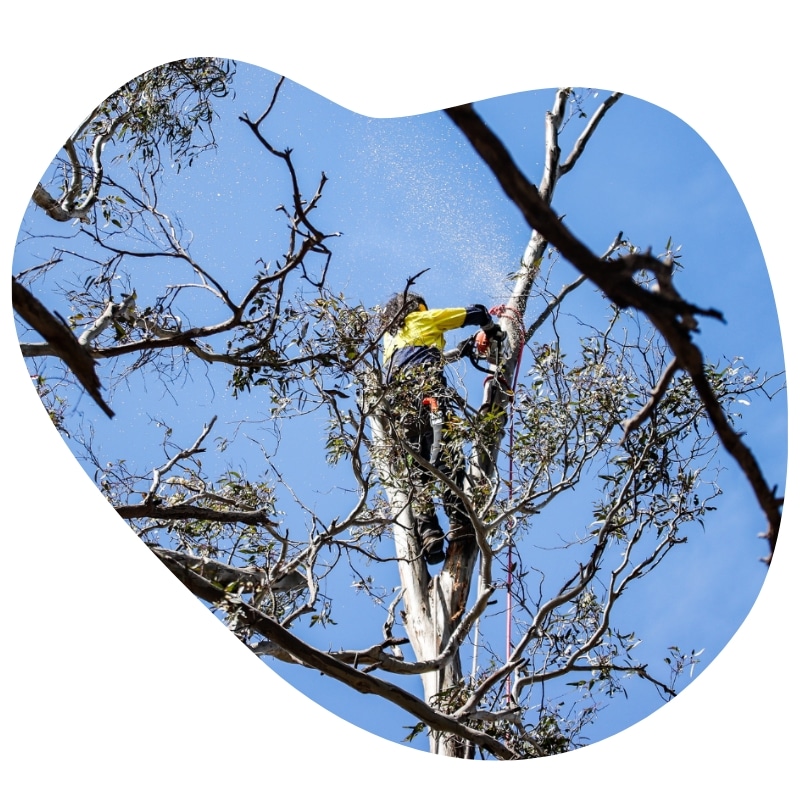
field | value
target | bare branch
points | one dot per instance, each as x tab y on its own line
648	408
586	134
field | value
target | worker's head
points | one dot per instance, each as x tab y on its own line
399	307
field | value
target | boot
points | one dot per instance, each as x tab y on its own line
460	525
458	530
431	539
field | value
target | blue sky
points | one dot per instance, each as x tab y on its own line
52	148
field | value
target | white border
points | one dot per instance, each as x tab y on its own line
100	685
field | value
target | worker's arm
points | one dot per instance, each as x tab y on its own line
475	315
446	319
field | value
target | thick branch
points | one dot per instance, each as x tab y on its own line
366	684
667	311
188	511
60	341
250	579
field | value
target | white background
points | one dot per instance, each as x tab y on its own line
115	680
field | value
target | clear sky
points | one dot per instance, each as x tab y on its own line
729	234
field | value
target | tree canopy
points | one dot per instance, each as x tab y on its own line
602	458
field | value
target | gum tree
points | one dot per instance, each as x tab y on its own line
636	416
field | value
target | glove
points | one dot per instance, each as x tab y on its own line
494	331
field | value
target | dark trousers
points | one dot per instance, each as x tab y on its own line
433	439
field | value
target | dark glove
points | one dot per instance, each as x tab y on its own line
494	331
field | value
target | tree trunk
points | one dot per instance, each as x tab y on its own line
433	605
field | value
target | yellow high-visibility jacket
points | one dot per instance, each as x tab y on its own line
421	338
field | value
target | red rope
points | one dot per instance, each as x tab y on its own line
500	311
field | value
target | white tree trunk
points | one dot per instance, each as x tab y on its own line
432	605
435	606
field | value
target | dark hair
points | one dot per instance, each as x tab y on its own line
398	307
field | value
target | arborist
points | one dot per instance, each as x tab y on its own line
420	402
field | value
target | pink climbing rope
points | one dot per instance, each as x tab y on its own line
512	313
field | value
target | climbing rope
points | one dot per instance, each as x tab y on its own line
513	314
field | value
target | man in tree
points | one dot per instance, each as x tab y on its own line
420	402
